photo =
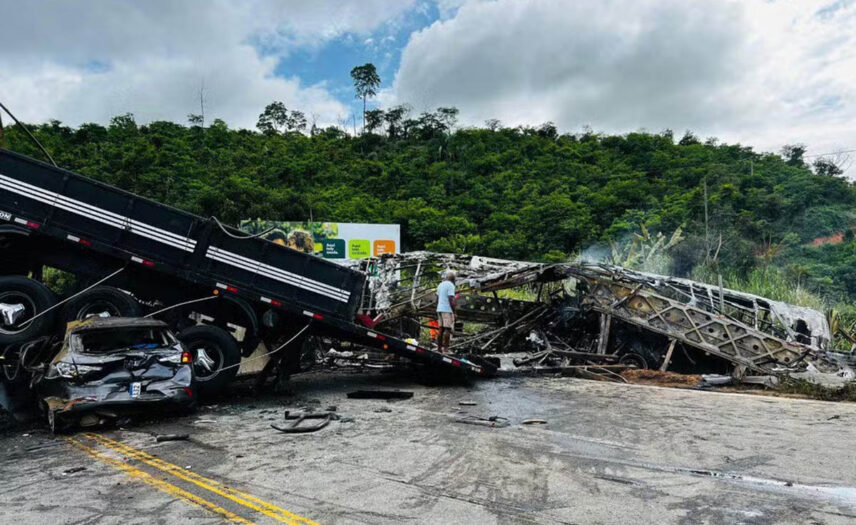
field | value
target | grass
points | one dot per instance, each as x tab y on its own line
816	391
771	283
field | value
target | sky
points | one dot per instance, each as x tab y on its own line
764	73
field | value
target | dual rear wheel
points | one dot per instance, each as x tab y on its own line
26	308
26	312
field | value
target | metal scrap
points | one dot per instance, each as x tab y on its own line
296	425
578	316
380	394
492	421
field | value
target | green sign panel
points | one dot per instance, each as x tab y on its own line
334	249
359	248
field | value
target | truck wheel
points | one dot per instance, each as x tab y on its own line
102	301
22	298
213	349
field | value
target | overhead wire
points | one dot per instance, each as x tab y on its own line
248	236
69	298
32	137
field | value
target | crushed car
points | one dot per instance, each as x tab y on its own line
111	368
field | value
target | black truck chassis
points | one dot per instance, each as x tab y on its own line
57	218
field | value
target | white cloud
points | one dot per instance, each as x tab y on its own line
761	72
89	61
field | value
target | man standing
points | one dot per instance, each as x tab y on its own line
446	311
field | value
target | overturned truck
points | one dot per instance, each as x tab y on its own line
596	313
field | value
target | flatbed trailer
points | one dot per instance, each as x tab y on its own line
51	217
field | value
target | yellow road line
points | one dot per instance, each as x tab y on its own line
268	509
159	484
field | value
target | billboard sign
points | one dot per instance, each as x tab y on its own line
331	240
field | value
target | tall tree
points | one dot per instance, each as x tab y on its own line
366	82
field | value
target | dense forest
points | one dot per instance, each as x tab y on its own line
527	193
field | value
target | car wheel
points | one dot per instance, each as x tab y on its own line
21	299
215	356
102	301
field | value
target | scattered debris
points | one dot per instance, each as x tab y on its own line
467	403
380	394
492	421
534	421
72	470
45	445
716	379
573	316
171	437
296	427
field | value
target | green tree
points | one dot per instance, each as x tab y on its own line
273	119
394	117
374	119
366	83
276	118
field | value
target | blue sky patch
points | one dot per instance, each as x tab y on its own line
330	64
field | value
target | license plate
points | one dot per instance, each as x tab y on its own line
135	389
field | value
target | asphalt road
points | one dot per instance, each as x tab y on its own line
608	454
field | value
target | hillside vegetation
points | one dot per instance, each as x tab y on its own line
522	193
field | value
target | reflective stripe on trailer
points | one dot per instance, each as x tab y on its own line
277	274
270	301
142	261
96	214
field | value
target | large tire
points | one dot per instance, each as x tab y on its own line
104	301
640	355
215	356
35	298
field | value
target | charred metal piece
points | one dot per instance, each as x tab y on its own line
296	427
380	394
576	314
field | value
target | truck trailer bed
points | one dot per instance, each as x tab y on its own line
75	215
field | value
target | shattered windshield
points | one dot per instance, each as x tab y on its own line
104	341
